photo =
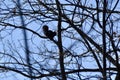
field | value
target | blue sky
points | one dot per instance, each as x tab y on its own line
13	38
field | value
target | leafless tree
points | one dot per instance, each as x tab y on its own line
86	45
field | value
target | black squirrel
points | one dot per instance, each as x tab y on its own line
48	33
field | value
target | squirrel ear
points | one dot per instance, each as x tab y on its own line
45	26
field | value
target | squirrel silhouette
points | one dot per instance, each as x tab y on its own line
48	33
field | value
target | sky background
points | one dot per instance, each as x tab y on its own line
16	39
